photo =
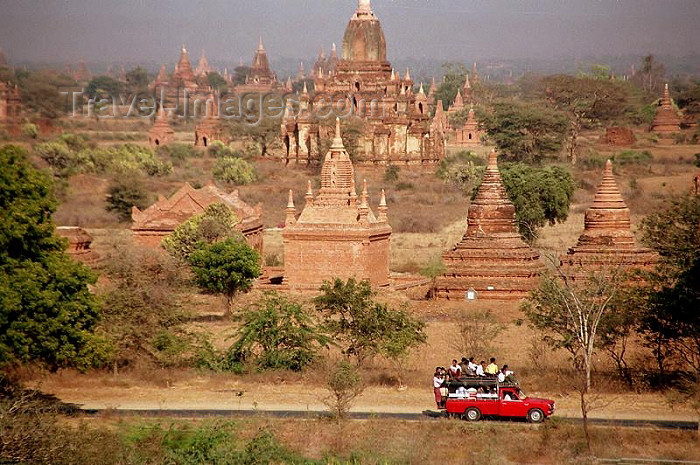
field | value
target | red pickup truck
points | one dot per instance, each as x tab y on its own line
475	398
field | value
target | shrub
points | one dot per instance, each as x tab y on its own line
404	186
218	149
75	142
30	131
391	174
124	194
630	157
177	152
345	384
277	333
234	171
460	169
57	155
217	223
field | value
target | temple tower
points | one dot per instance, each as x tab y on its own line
161	133
337	234
666	120
607	240
184	76
468	135
492	259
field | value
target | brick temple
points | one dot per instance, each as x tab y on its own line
261	79
153	224
161	133
666	120
396	128
607	241
337	234
10	104
492	261
469	135
79	242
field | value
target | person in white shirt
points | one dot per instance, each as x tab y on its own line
471	365
480	369
461	392
454	371
438	381
507	396
504	373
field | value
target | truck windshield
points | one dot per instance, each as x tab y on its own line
521	395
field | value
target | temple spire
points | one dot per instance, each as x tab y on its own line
337	140
290	211
364	6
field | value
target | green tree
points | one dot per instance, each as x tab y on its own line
365	327
104	87
217	223
234	170
226	267
125	194
650	77
40	91
453	80
277	333
142	305
587	101
344	384
670	322
216	82
540	195
47	313
570	314
58	156
526	132
406	333
137	80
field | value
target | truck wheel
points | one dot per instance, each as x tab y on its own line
472	414
535	415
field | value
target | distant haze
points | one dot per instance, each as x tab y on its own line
153	31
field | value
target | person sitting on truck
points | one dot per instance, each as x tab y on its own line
454	372
480	369
492	368
464	366
471	366
505	375
507	396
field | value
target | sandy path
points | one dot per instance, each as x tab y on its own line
205	393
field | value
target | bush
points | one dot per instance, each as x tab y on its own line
30	130
460	169
218	149
177	152
277	333
391	174
125	194
58	156
234	171
405	186
345	384
632	157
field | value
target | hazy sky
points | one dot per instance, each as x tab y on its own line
143	30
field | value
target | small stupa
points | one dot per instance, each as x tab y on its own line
492	261
666	120
607	240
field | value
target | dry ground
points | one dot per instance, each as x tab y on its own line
427	217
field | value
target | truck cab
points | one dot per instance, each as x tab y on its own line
474	398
